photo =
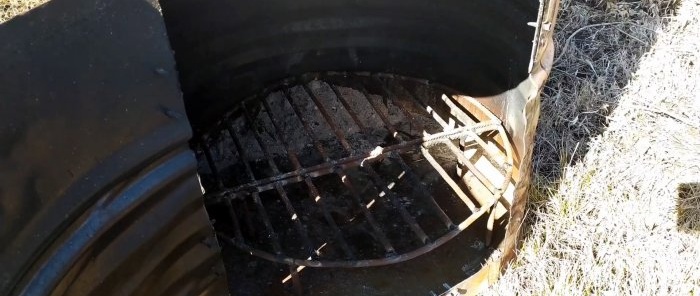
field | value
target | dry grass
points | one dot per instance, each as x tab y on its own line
689	207
12	8
600	43
617	156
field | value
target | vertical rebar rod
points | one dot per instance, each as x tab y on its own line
421	188
236	225
508	169
312	188
212	166
378	232
282	193
256	196
496	191
464	118
463	196
379	182
455	187
220	184
470	166
334	127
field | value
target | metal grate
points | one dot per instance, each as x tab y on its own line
352	170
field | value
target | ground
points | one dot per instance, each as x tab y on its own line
615	208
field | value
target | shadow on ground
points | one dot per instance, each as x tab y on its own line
688	208
599	45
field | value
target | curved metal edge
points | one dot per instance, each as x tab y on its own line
519	108
124	243
362	263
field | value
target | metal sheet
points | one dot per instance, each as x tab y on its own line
519	108
90	109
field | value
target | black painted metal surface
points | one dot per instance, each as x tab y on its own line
98	192
228	50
